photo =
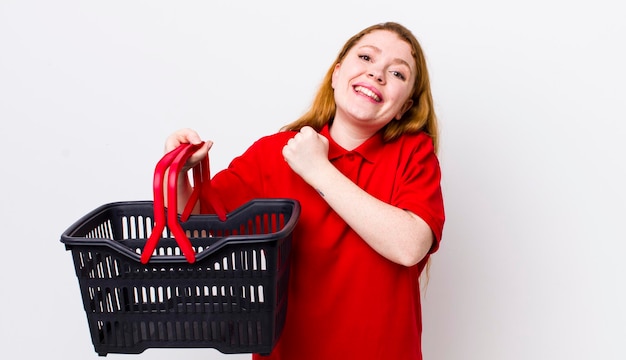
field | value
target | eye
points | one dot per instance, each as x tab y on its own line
398	74
365	57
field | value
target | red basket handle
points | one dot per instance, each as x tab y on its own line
175	160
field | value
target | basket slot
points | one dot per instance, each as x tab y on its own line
95	265
131	334
102	265
249	260
101	231
177	299
137	227
263	224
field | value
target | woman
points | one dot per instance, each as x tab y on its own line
362	163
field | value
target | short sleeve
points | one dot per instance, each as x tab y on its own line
419	190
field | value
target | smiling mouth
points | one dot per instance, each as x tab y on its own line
367	92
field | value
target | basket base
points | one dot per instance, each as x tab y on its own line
134	336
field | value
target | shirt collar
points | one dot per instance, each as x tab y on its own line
369	150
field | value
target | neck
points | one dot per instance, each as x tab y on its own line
349	137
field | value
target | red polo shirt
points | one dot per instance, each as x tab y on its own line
345	300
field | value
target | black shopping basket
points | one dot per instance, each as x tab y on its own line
150	278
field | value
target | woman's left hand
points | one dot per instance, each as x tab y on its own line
307	153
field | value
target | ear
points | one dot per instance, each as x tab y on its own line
407	105
335	74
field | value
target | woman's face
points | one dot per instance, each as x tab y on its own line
373	83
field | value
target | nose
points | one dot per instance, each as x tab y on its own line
376	75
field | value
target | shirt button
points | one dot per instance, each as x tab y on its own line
350	157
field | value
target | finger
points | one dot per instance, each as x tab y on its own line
192	136
307	130
182	136
197	156
187	136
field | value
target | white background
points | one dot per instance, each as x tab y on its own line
530	96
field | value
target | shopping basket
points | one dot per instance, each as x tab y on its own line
150	278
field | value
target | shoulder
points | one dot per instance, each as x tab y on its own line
269	144
410	145
277	139
420	139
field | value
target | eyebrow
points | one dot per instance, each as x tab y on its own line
396	60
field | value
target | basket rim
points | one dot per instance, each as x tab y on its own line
68	238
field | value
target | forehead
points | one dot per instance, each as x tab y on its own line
387	42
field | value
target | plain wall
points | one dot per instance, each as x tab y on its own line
530	97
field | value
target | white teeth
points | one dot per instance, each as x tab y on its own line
367	92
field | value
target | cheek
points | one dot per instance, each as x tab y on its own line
402	95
